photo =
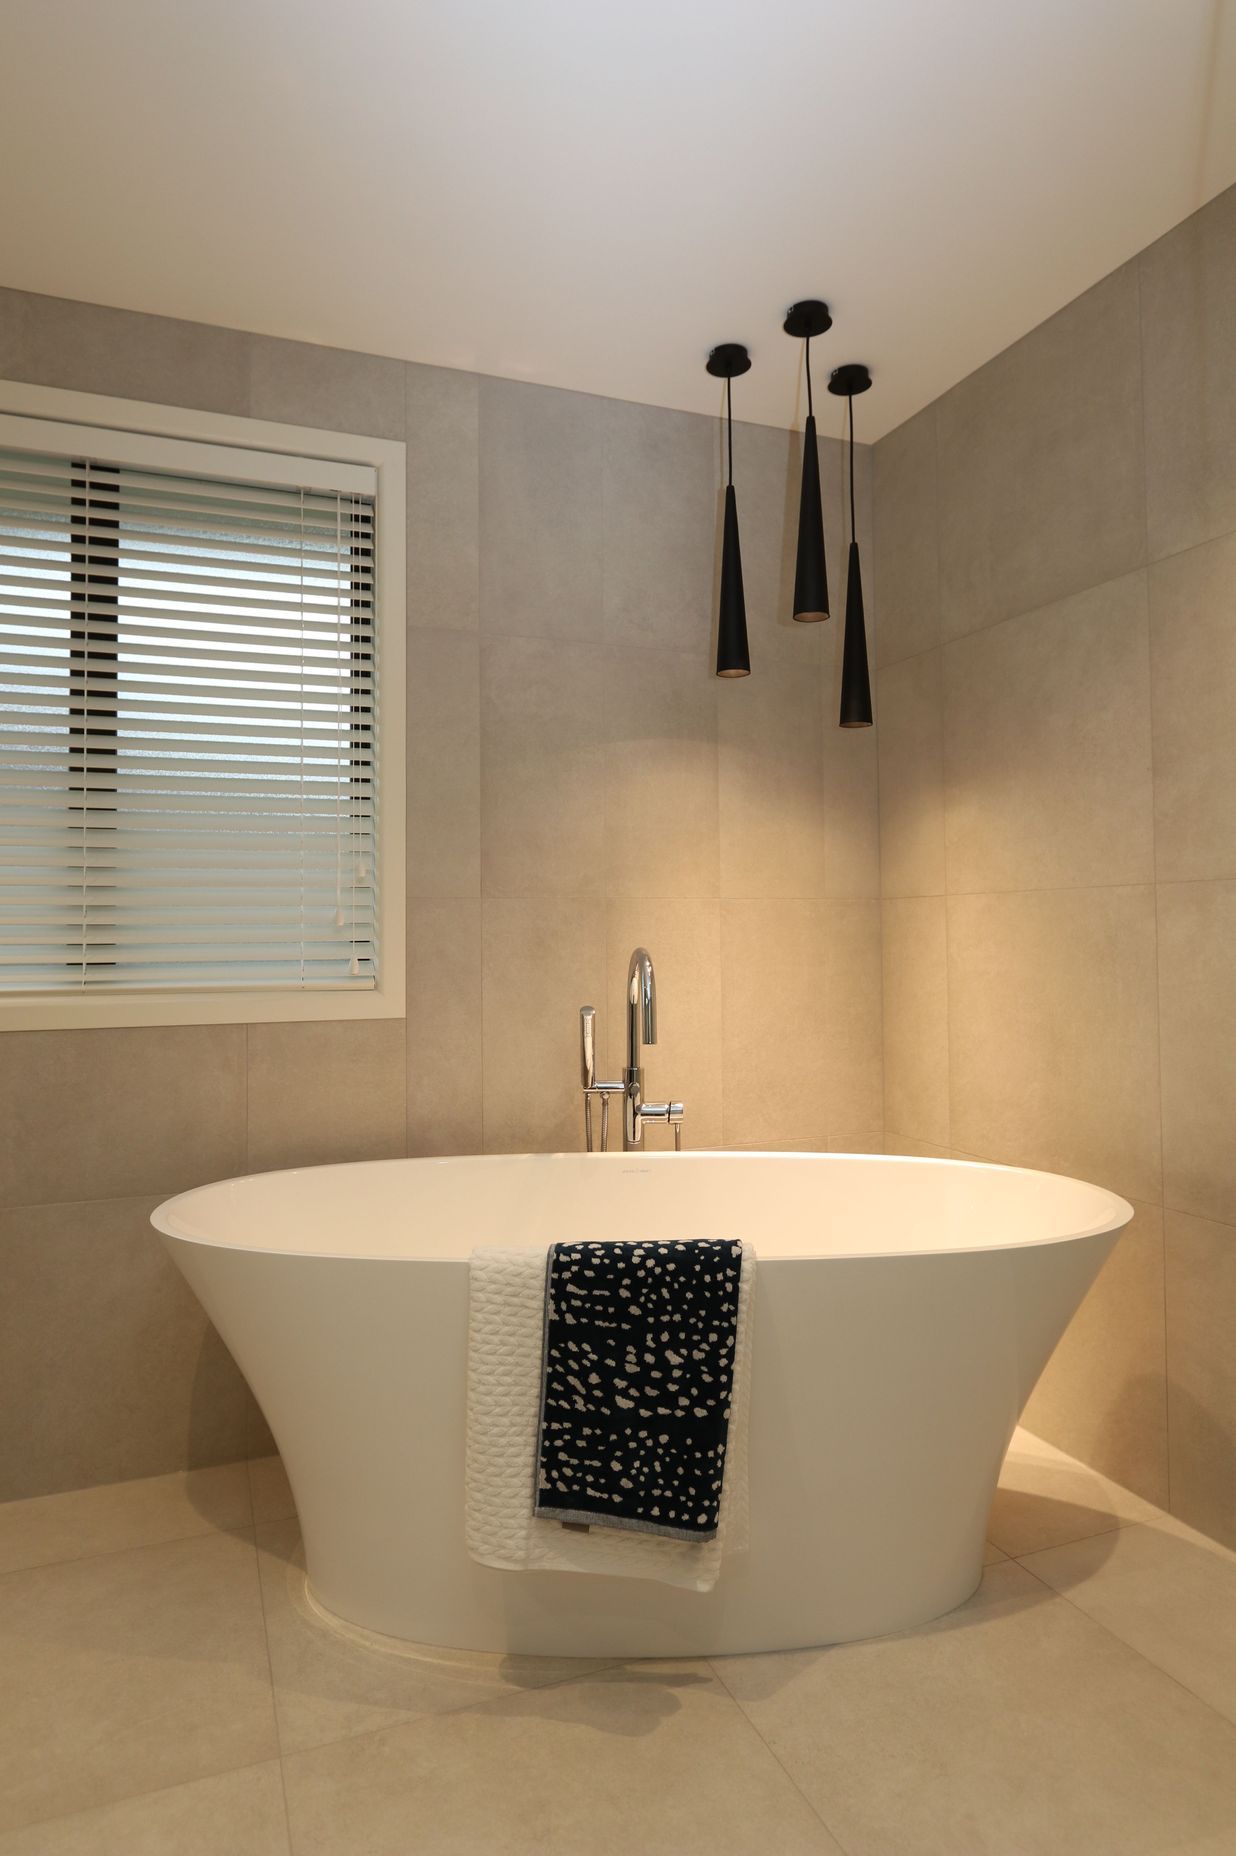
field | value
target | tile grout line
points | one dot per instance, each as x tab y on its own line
274	1694
773	1753
149	1791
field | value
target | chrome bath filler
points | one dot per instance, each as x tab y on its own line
641	1030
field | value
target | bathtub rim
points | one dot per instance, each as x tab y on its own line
167	1217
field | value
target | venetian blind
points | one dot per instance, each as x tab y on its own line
188	709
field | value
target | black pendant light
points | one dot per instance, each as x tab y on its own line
803	320
733	657
848	381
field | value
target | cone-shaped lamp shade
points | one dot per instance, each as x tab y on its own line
733	657
855	680
811	573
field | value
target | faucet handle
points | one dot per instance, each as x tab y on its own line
588	1046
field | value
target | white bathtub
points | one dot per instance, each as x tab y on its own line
904	1310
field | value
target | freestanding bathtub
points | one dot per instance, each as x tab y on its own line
904	1310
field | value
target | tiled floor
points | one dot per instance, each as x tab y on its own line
165	1691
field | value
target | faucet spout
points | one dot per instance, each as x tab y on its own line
641	1005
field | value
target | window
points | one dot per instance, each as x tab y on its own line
193	704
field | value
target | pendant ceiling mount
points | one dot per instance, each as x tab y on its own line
811	317
728	361
848	381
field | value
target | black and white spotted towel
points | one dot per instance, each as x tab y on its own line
637	1383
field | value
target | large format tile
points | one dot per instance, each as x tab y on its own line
1015	1726
130	1672
907	569
1103	1393
1040	463
657	711
91	348
650	1758
1054	1033
443	532
1201	1372
1197	1012
326	1091
684	1065
333	1682
772	804
660	478
303	383
444	764
910	696
802	1058
534	951
117	1515
915	952
444	1027
149	1110
1189	313
1047	746
541	488
1193	693
542	767
109	1368
1165	1590
1046	1497
236	1814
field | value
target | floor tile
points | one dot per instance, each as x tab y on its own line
122	1514
332	1682
1167	1591
130	1672
1015	1726
642	1759
236	1814
270	1490
1046	1498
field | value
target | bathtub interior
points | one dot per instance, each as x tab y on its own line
792	1206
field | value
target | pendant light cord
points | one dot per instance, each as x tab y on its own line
729	429
810	407
850	405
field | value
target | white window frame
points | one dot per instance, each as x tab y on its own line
20	403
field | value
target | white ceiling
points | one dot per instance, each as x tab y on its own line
592	195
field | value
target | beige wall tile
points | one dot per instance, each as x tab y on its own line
910	745
542	768
907	574
1193	689
240	1812
444	764
1040	463
85	346
1189	314
305	384
773	816
443	534
1201	1372
851	789
657	712
106	1661
801	999
1197	1009
541	490
108	1366
660	499
542	958
325	1092
444	1027
1103	1396
1054	1033
684	939
915	948
108	1114
1047	746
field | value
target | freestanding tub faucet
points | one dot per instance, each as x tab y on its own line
641	1030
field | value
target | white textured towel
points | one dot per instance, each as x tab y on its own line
506	1321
